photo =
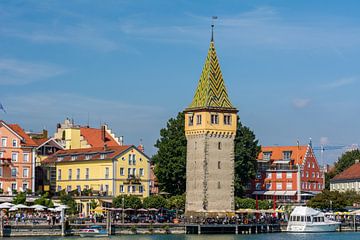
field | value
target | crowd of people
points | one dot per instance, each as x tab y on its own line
30	217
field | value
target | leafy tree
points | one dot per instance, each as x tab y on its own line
44	201
177	202
246	151
245	203
20	198
68	200
346	160
332	200
170	160
130	201
93	204
155	201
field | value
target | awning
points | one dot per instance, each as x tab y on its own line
269	193
281	162
290	193
258	193
279	193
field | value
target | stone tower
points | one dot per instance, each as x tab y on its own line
210	128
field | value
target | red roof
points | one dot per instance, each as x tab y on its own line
40	141
353	172
297	153
93	137
95	153
28	141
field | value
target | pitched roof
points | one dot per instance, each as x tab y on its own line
298	153
28	141
95	153
93	137
40	141
353	172
211	91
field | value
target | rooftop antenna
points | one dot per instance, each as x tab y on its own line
212	27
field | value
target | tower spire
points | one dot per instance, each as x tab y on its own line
212	27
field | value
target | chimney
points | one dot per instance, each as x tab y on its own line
103	133
45	133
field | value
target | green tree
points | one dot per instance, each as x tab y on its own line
244	203
44	201
130	201
93	204
68	200
170	160
247	149
20	198
346	160
331	200
177	202
156	201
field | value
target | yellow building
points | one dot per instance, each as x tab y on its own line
107	171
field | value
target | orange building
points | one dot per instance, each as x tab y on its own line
17	159
288	174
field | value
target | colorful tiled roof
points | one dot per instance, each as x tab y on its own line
298	153
40	141
93	137
95	153
351	173
211	91
28	141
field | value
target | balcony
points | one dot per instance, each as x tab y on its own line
133	179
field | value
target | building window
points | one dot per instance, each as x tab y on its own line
87	173
266	156
288	175
59	174
258	186
73	158
219	145
227	119
133	188
141	171
309	165
219	186
141	189
78	188
13	186
129	189
198	119
1	154
214	119
69	174
191	120
25	186
106	188
78	173
219	164
129	172
317	174
14	143
59	188
134	159
302	173
26	157
268	175
313	174
87	157
278	186
68	188
286	155
25	172
121	188
3	142
1	171
60	159
319	186
307	174
102	156
268	186
13	172
121	171
130	160
278	175
288	186
134	172
106	172
14	157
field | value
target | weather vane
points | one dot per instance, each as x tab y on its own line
212	27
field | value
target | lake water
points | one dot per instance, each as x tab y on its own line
272	236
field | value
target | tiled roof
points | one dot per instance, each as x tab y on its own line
211	91
28	141
40	141
93	137
298	153
353	172
95	153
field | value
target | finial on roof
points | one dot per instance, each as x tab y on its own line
212	27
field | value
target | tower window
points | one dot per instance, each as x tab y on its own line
219	165
219	185
219	145
214	119
198	119
227	119
191	120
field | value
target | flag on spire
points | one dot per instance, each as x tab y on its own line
2	108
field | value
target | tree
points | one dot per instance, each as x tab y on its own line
130	201
170	160
20	198
154	202
44	201
93	204
177	202
246	151
332	200
67	200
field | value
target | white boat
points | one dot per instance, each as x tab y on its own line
93	231
305	219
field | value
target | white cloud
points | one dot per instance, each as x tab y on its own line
16	72
301	102
341	82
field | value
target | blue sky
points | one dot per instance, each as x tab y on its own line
291	67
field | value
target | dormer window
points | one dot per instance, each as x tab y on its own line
102	156
266	156
73	157
87	157
286	155
214	119
60	158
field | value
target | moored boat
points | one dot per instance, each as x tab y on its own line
305	219
94	231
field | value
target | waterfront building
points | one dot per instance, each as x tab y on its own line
210	128
17	159
72	136
101	173
347	180
287	174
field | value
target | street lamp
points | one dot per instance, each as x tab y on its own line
123	206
